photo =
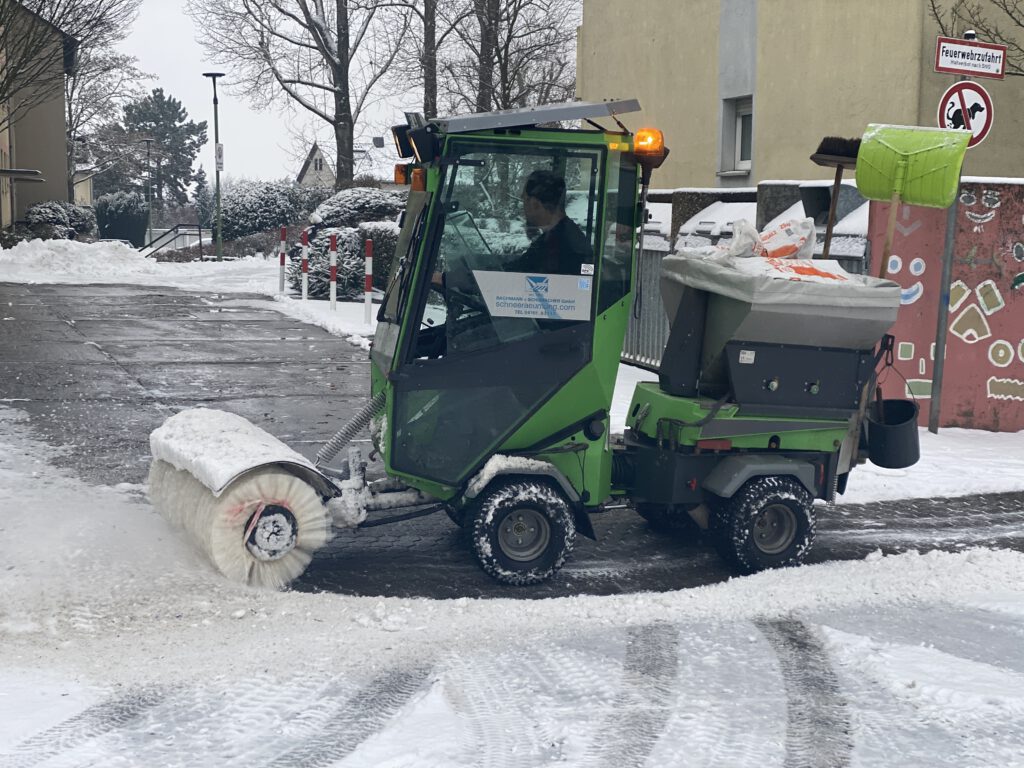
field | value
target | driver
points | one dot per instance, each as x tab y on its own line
561	248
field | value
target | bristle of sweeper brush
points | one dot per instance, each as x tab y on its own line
838	147
218	525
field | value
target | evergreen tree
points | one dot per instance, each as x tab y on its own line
176	141
202	197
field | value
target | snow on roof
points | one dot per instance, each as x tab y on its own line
854	223
846	182
717	218
991	180
716	190
661	217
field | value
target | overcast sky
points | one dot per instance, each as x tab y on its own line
255	143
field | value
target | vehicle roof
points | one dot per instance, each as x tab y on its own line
528	116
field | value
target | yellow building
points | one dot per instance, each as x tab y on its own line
746	89
36	139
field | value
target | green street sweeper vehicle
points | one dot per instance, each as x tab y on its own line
494	363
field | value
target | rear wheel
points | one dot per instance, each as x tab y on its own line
768	523
523	530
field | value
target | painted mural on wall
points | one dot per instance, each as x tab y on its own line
983	381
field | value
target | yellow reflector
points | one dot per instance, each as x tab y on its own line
649	141
419	180
613	145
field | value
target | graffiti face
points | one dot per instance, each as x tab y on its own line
916	268
980	216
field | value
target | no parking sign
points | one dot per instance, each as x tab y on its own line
967	106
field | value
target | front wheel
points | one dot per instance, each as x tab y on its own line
768	523
523	530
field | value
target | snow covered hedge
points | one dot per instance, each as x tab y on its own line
355	216
61	219
352	207
248	207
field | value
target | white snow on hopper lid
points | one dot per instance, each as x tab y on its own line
215	446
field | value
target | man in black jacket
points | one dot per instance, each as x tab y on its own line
561	248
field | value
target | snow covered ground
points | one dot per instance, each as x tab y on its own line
121	646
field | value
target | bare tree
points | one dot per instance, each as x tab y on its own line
517	53
95	93
437	22
326	56
995	21
40	39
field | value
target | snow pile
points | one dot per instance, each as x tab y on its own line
67	261
58	261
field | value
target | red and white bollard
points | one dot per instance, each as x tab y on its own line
368	285
305	265
283	249
334	273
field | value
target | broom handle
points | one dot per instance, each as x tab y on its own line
890	234
832	211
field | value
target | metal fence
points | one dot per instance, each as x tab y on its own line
647	333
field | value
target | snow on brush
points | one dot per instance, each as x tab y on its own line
216	446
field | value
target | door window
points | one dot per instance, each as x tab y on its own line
516	250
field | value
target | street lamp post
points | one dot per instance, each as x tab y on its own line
149	191
219	153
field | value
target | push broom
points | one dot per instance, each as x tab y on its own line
838	153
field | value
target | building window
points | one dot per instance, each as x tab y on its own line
318	164
744	134
738	135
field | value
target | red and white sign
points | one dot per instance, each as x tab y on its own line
969	57
967	106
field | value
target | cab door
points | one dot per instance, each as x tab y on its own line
492	342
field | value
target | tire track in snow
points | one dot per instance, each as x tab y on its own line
362	716
643	707
91	723
818	729
496	699
521	706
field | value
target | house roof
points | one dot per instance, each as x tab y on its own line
309	161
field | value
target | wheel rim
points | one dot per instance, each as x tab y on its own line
524	534
774	529
272	533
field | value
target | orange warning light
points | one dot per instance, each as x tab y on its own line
649	141
419	180
402	174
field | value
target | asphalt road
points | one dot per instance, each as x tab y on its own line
96	368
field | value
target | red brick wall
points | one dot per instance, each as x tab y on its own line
983	380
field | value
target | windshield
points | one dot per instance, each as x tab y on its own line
515	250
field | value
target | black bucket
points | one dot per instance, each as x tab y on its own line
892	434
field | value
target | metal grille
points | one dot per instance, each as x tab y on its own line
647	334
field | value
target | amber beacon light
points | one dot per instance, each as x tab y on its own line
650	151
649	141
